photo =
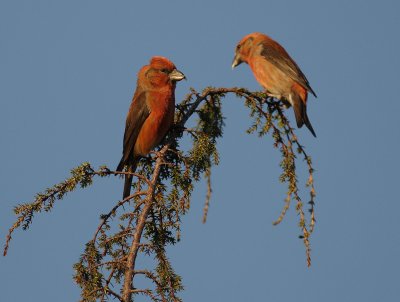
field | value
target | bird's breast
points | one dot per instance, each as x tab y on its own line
157	124
270	77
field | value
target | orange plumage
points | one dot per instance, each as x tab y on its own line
277	72
150	114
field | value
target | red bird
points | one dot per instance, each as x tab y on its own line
151	113
277	72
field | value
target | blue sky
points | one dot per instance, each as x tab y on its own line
68	72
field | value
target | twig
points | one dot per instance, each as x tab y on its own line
208	196
120	203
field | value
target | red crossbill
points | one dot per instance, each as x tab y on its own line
277	72
150	114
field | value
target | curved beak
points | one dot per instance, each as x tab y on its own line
176	75
237	60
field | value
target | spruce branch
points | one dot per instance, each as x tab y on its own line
149	220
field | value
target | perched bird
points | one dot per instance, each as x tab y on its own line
277	72
150	114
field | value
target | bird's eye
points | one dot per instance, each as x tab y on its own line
164	70
238	47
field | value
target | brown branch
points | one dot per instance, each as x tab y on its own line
129	273
112	211
106	286
104	290
52	193
151	276
10	231
113	263
208	196
114	294
147	292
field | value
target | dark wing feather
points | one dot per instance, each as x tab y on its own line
137	114
278	56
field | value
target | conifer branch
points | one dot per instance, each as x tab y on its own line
150	218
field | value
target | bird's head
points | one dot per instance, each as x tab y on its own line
162	72
245	48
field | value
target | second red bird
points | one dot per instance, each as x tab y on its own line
277	72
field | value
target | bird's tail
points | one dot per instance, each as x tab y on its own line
300	112
121	165
128	178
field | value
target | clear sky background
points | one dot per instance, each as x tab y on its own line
67	75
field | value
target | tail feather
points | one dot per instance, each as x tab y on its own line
308	123
121	165
298	108
128	178
127	185
300	112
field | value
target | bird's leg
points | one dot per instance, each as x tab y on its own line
274	101
273	95
286	103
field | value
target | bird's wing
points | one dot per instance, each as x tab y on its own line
278	56
137	114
